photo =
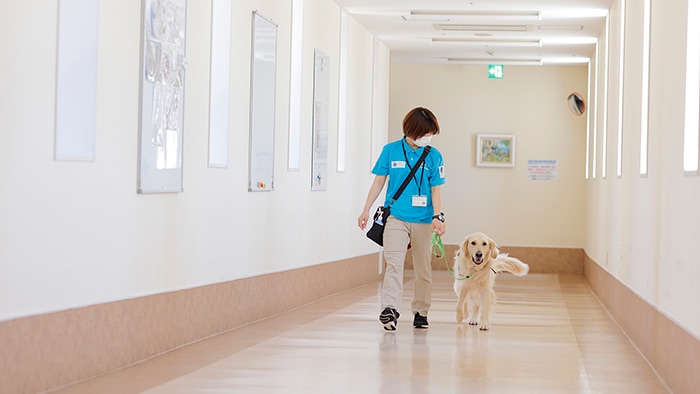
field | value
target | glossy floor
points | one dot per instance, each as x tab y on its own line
549	335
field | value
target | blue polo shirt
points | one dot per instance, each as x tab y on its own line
392	162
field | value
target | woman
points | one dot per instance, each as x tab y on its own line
415	215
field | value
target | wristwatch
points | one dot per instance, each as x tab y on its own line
440	217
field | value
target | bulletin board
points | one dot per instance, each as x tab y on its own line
319	159
263	72
162	100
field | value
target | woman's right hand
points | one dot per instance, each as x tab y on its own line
362	220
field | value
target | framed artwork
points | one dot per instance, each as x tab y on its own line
495	150
163	65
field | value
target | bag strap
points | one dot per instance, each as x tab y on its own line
420	161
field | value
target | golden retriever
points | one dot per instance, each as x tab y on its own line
477	262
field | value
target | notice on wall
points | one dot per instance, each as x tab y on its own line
542	170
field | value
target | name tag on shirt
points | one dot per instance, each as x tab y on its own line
420	201
398	164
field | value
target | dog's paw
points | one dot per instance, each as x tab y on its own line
473	322
460	317
484	326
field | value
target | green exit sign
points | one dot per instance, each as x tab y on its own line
495	71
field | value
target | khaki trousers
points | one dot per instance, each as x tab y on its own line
397	234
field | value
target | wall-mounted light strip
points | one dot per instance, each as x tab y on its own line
621	86
692	94
343	91
606	73
588	124
644	129
594	133
295	72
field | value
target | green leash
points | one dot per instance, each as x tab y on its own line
438	250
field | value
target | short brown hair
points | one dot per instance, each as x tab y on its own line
420	121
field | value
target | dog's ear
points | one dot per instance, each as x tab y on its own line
464	246
494	249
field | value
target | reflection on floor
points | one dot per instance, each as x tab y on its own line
549	334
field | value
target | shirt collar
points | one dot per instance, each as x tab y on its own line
409	148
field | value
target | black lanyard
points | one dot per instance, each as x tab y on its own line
422	169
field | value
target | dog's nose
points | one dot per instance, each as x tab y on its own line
479	255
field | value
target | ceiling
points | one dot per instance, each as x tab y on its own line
519	32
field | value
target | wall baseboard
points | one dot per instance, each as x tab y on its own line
45	352
541	260
671	350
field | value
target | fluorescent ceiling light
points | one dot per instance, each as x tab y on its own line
493	42
561	27
481	27
452	15
510	61
565	60
574	13
569	40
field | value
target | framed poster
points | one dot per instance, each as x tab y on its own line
263	70
495	150
162	100
319	160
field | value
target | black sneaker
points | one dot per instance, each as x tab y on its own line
388	318
420	321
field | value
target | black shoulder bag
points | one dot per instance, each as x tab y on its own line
376	232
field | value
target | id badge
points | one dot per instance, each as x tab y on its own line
420	201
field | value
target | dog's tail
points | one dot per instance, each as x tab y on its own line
505	263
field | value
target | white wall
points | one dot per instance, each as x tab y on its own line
77	233
529	102
644	230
